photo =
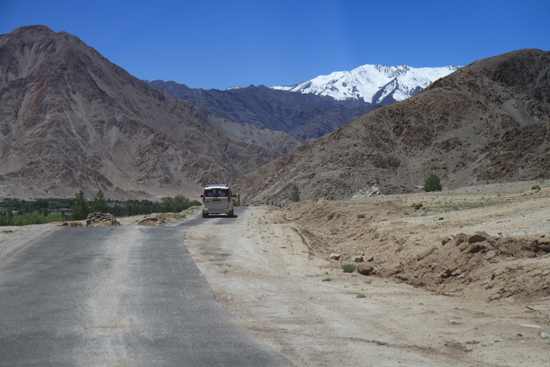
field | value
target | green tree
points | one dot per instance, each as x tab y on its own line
168	203
295	194
9	221
432	183
99	204
80	206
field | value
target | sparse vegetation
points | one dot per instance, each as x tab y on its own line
28	218
432	183
360	216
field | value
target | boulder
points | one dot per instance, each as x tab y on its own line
70	224
335	256
365	269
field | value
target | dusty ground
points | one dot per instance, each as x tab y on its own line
440	296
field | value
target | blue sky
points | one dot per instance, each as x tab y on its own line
219	44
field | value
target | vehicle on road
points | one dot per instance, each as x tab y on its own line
217	199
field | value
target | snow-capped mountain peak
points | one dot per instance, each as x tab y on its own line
372	83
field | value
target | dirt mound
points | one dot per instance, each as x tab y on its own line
483	267
483	243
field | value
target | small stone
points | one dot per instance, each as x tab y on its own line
531	325
545	335
335	256
358	259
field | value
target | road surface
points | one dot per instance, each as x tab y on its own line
118	296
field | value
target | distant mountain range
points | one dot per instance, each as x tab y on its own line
315	108
376	84
303	116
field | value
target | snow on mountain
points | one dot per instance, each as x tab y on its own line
372	83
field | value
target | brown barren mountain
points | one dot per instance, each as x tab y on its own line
488	121
70	120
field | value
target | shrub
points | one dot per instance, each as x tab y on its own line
177	204
432	183
349	268
360	216
295	194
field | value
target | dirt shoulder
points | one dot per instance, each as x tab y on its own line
436	298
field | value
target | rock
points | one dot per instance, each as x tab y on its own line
335	256
370	259
149	220
70	224
368	191
545	335
358	259
418	206
478	237
365	269
97	219
535	187
446	273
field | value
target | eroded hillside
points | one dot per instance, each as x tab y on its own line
486	121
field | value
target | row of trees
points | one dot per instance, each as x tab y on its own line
53	210
82	207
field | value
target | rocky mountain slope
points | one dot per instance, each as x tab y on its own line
488	121
248	133
375	84
302	116
70	119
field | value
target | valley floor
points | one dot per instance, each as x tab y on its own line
440	297
464	281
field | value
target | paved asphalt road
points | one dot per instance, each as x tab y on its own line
118	296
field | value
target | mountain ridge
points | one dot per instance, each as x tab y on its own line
488	121
373	83
70	120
